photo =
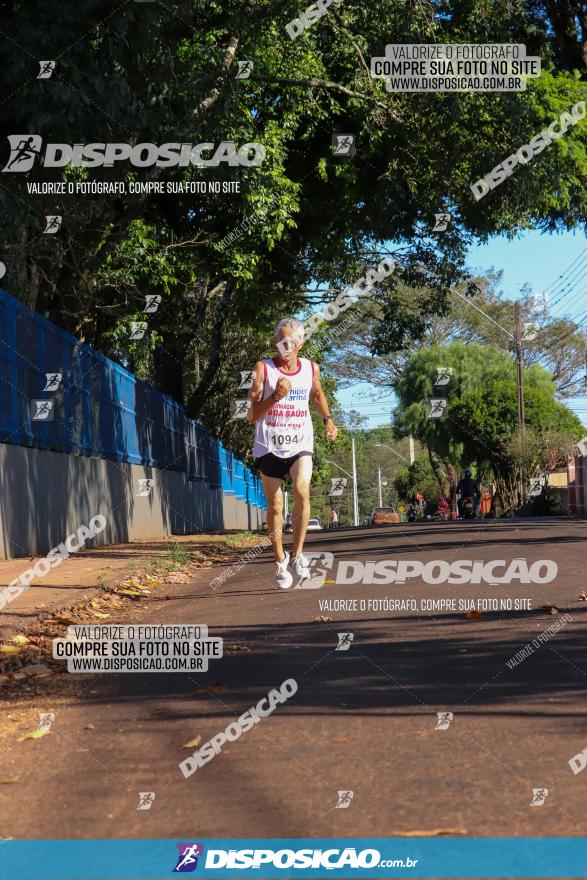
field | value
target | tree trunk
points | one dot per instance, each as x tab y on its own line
169	366
453	483
439	472
202	389
571	46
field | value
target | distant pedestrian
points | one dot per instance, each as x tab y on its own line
334	518
411	514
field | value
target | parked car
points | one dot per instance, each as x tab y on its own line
384	516
314	524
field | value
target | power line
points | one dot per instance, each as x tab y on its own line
560	281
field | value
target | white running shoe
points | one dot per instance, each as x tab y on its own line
283	577
299	568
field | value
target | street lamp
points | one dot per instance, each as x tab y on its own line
385	446
353	477
380	483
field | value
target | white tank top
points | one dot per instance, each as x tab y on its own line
286	429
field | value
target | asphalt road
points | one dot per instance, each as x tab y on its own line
363	720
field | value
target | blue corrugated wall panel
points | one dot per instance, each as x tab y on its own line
100	408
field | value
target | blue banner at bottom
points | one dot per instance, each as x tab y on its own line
286	858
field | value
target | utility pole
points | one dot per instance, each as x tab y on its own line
353	477
520	376
379	486
519	364
355	495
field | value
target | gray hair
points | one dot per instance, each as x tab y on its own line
295	325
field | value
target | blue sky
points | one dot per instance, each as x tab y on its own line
531	258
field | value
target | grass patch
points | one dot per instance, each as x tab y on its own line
243	540
178	554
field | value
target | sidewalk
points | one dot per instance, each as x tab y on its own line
133	566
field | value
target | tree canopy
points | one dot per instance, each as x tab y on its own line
481	420
305	222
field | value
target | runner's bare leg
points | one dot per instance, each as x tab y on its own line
274	496
301	476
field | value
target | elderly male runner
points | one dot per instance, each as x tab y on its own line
284	439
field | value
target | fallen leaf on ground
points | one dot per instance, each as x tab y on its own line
192	743
101	615
134	594
176	579
10	649
434	832
550	609
236	648
36	669
132	582
473	614
66	620
20	640
9	781
583	597
34	734
90	727
322	618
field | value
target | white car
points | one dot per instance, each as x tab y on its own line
314	524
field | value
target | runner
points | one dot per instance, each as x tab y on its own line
284	440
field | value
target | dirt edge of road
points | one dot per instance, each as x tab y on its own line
106	592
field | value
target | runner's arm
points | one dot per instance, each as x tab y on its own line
258	407
318	398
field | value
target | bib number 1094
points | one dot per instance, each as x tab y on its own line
281	441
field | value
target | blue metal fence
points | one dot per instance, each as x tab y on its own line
99	408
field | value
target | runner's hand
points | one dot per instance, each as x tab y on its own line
282	388
331	430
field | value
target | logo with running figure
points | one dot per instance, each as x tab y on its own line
187	861
24	149
319	564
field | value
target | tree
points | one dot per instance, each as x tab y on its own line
485	422
419	477
140	74
371	454
474	367
559	344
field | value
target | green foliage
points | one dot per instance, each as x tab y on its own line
486	423
177	553
474	366
143	72
481	423
418	477
372	452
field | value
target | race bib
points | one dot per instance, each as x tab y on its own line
283	440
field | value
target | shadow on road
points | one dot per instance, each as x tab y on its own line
387	670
